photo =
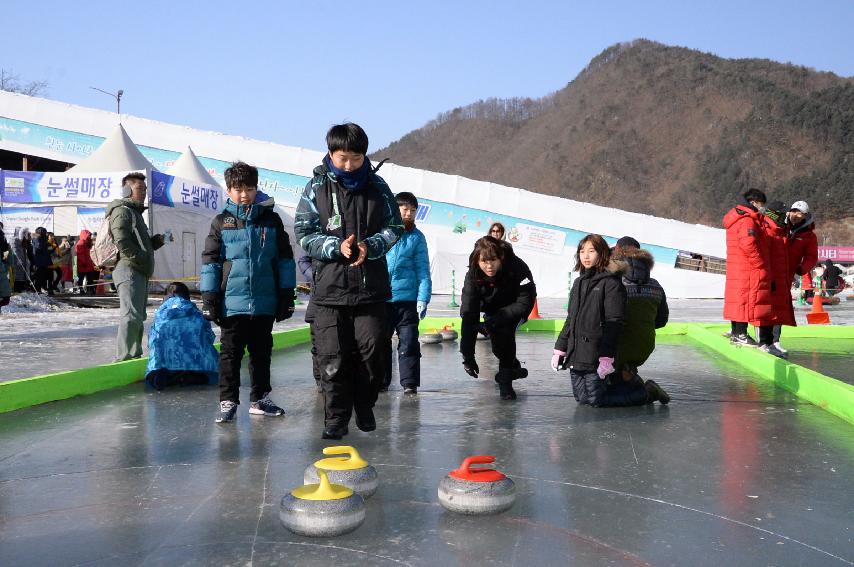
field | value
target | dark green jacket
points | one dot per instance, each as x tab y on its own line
135	249
646	309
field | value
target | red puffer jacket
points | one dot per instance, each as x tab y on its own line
781	280
803	248
82	248
747	298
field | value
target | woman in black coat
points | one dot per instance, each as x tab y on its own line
499	285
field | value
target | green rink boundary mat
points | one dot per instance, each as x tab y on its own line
830	394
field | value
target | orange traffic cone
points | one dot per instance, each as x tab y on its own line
535	312
818	316
100	288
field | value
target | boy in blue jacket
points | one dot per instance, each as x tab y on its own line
409	271
247	281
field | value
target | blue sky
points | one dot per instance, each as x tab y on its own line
285	71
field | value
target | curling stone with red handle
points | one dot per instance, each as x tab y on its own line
448	333
474	491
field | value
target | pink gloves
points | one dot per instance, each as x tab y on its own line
557	359
606	366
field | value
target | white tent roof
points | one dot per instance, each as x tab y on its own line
189	167
116	153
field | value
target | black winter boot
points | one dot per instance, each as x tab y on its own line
505	383
517	371
656	393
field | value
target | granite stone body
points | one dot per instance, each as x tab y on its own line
474	498
322	518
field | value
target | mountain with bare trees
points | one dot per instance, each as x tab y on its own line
661	130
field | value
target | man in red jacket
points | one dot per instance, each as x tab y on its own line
748	294
802	246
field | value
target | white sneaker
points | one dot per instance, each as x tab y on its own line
779	347
771	349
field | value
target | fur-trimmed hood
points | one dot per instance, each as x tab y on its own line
616	266
639	264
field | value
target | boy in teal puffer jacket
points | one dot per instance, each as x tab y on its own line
409	272
247	280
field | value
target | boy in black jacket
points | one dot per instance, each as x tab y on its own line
346	220
500	285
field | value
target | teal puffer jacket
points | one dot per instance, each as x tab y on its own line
248	258
409	268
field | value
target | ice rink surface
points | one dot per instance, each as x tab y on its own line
40	337
732	472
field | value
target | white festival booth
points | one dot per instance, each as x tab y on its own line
181	203
453	212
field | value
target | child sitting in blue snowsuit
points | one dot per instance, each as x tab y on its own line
180	343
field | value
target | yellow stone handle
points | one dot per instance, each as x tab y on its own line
354	459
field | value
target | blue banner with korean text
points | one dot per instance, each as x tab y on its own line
180	193
66	187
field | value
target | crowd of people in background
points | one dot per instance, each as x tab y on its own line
35	262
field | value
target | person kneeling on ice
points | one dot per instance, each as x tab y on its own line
587	344
646	311
180	343
499	285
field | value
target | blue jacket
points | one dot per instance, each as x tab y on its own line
248	259
409	268
181	339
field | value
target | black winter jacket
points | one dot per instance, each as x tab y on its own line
506	300
326	215
597	309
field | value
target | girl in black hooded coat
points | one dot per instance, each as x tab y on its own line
587	344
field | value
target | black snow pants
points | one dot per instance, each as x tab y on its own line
239	333
588	388
402	318
349	381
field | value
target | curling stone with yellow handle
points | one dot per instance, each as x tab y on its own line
351	471
431	337
322	510
475	491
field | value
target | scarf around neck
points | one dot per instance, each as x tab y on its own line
351	180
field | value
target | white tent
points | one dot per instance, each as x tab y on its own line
181	258
116	153
189	167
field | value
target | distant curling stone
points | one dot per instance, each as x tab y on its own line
351	471
322	510
476	491
448	334
431	337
